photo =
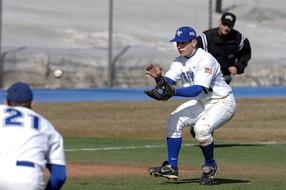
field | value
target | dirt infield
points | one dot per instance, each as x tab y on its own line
77	170
108	170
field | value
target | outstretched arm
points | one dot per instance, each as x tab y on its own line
191	91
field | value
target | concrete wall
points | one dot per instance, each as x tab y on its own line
89	68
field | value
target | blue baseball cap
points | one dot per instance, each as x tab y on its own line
19	92
184	34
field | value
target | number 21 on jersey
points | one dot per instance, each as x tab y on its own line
16	118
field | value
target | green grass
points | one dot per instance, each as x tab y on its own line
260	154
243	163
122	156
267	161
253	154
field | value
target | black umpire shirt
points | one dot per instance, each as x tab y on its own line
231	50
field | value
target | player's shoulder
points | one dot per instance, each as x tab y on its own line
180	60
28	111
202	53
206	58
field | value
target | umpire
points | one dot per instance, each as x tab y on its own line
231	48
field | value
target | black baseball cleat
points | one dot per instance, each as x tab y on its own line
165	170
208	175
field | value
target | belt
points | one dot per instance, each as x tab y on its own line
25	163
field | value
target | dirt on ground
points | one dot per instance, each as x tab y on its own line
77	170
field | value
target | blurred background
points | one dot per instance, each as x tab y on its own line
108	43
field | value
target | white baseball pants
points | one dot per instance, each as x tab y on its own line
204	116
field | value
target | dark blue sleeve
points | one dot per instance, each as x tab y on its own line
191	91
57	176
170	81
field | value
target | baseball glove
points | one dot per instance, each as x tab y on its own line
162	91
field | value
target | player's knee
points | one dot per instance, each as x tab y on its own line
207	141
203	134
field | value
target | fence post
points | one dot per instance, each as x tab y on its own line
210	14
110	59
218	8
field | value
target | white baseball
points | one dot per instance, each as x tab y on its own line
58	73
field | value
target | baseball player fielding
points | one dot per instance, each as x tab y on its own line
210	106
